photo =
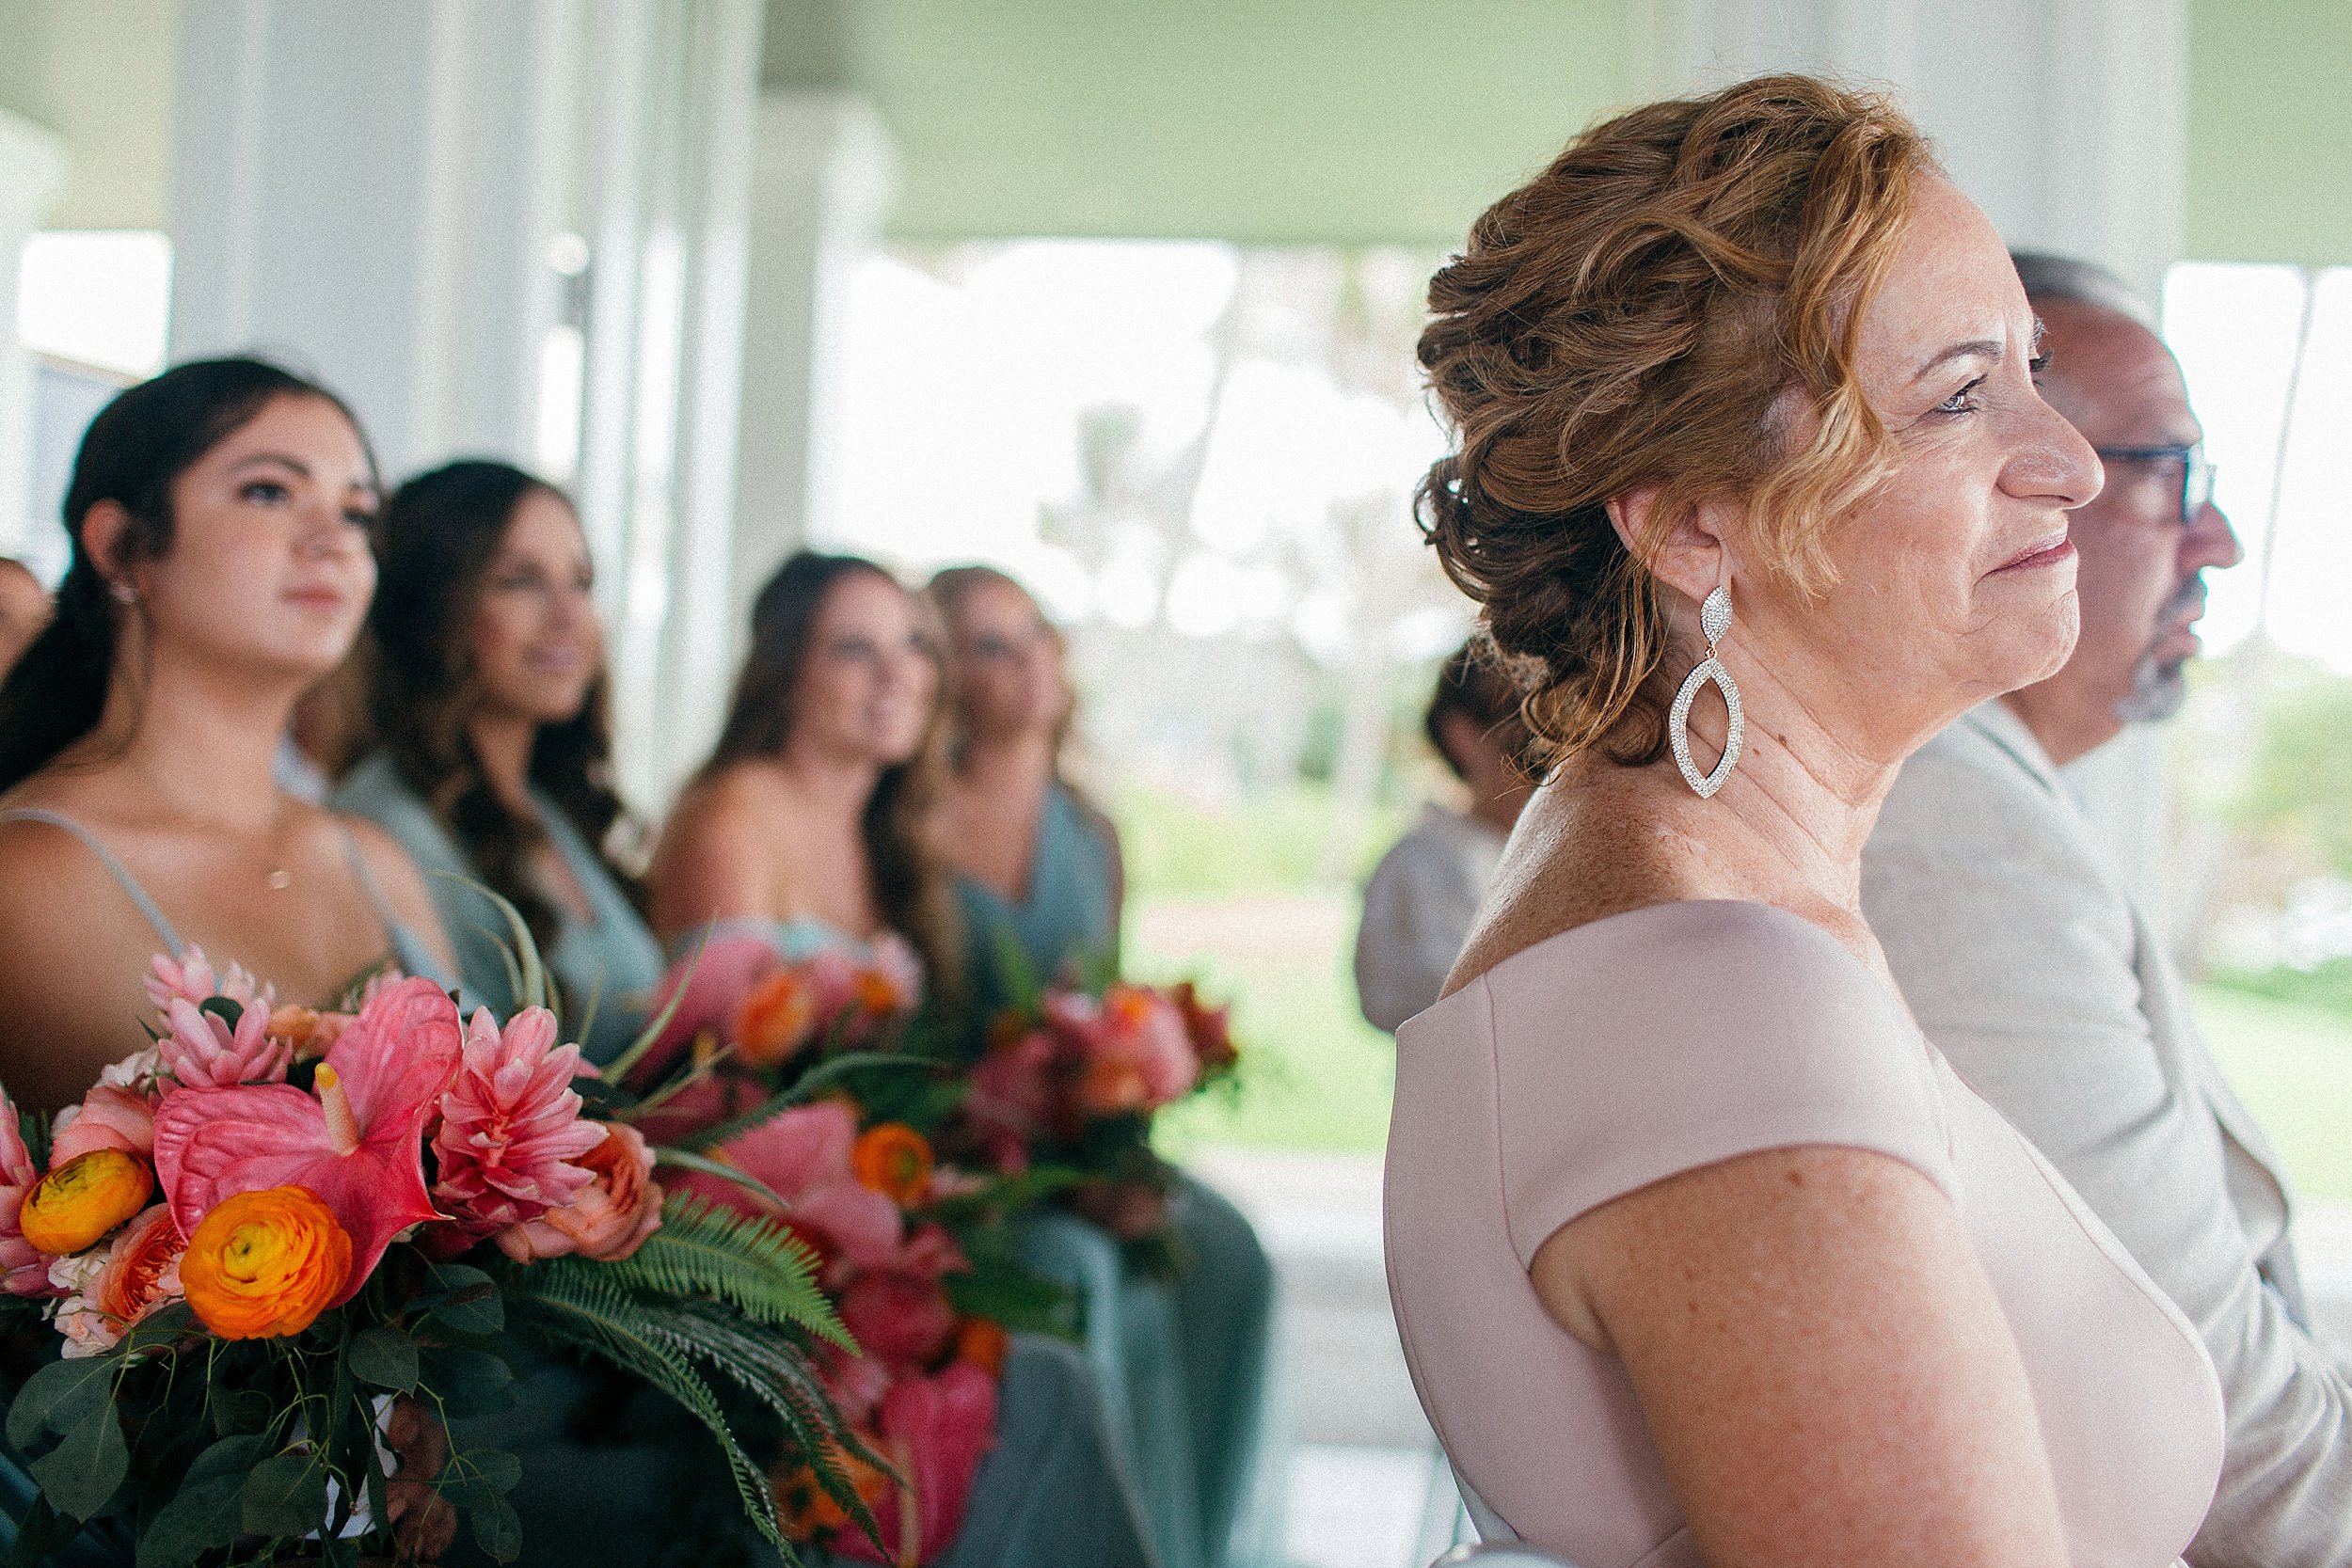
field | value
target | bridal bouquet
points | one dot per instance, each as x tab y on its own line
1070	1080
810	1077
281	1250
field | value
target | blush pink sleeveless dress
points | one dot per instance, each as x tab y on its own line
1616	1053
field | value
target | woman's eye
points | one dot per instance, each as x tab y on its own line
264	492
360	517
1961	402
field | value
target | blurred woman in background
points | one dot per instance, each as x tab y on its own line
490	699
219	515
813	826
1424	894
1040	884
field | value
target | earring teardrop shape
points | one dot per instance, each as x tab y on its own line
1714	620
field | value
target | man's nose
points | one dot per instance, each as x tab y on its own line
2209	542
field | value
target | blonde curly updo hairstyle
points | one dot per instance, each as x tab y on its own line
1638	315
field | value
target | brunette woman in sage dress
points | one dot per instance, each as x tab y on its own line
1039	878
491	706
219	517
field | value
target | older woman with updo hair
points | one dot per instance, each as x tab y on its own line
1700	1253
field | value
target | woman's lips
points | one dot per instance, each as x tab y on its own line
318	598
2048	552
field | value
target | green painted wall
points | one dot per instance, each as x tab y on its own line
2270	130
1261	121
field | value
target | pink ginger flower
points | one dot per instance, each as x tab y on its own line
24	1272
358	1143
510	1124
937	1430
191	980
203	1053
107	1117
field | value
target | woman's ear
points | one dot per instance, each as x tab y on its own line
106	527
1686	553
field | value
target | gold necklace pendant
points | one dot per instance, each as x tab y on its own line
280	881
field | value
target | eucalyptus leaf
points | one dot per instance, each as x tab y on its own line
468	1382
82	1470
498	1529
383	1356
285	1495
59	1396
484	1474
208	1511
239	1410
42	1534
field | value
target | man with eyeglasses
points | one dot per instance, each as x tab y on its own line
2025	961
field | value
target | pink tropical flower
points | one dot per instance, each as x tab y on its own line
24	1272
202	1052
715	982
191	979
357	1143
107	1117
612	1215
510	1123
937	1429
899	1319
1011	1102
1136	1050
803	1155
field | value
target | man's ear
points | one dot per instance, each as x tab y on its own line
104	528
1686	553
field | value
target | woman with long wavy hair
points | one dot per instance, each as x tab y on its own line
1040	884
489	698
813	826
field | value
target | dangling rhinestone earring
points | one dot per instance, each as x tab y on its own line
1714	620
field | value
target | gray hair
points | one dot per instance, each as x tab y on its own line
2048	277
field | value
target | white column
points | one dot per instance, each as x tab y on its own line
2066	120
824	176
32	165
367	190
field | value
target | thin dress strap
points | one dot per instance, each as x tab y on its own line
369	887
106	856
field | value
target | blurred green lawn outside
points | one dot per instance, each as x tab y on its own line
1228	900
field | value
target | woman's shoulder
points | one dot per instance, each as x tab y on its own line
376	799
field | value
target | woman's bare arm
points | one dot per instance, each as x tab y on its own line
1822	1361
715	861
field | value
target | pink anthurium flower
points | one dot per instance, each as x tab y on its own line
357	1141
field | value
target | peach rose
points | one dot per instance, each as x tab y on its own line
264	1264
893	1160
107	1117
612	1216
81	1199
140	1273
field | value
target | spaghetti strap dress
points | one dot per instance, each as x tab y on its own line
1183	1364
1619	1053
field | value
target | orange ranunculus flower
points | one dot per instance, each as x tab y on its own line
893	1160
806	1510
81	1200
777	1017
983	1342
878	995
265	1264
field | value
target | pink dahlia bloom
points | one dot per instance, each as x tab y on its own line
511	1125
107	1117
191	979
203	1053
24	1272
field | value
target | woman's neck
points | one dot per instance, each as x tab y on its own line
202	740
832	787
1020	763
502	743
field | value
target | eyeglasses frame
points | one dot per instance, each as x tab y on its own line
2197	472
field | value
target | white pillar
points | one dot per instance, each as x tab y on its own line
2066	120
367	189
824	174
32	165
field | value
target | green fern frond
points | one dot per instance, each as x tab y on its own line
754	1264
575	1308
779	1376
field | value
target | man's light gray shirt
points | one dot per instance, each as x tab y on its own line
2028	965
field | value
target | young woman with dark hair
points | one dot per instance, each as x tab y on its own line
813	826
491	703
219	514
1040	884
